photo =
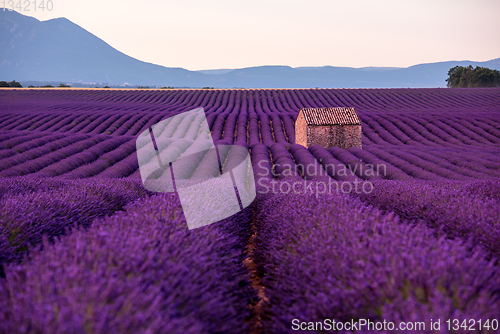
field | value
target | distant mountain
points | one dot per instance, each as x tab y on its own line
58	50
219	71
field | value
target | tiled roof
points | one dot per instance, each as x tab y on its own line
330	116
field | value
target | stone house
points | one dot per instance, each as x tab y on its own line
328	127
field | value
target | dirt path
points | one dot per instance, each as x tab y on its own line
249	262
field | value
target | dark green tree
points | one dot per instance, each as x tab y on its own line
461	77
14	83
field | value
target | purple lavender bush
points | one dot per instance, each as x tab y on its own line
34	207
334	258
422	245
139	271
467	210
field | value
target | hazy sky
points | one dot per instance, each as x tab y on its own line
201	34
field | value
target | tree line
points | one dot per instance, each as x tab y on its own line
458	77
462	77
13	83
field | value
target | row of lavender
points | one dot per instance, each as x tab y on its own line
138	271
426	147
373	163
254	116
274	100
80	156
319	257
333	257
33	208
233	125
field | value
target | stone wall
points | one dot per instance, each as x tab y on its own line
343	136
301	131
348	136
321	135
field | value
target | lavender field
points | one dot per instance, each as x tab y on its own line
85	248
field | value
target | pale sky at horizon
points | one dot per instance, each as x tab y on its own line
196	34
